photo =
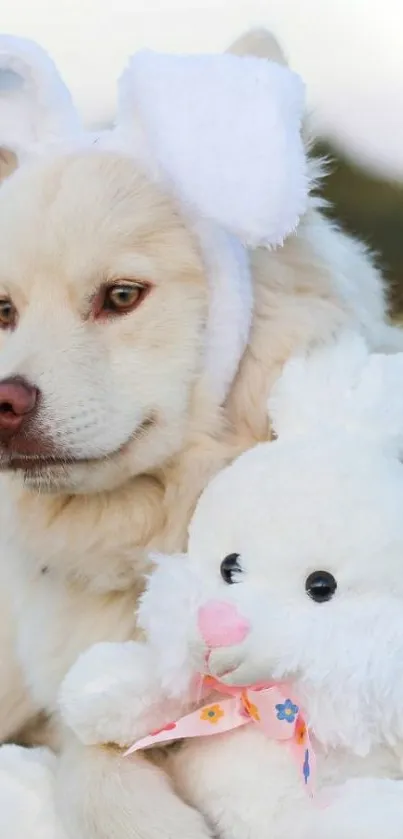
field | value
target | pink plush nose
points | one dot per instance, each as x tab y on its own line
221	625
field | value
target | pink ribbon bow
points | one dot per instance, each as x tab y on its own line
267	706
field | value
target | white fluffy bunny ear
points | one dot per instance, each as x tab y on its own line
36	109
224	131
341	387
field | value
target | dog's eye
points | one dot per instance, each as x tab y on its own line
230	568
119	298
320	586
8	313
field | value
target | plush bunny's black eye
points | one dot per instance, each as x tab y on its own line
230	568
321	586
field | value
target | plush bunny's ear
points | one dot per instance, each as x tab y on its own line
224	131
341	387
35	106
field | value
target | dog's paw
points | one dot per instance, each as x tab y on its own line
108	694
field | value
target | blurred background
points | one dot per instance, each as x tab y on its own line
349	52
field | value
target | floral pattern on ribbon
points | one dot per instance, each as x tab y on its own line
212	714
287	711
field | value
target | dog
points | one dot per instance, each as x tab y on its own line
108	434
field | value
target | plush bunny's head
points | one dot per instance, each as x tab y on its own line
295	566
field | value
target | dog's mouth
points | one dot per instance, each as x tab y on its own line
37	464
18	463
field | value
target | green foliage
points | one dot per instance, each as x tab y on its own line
372	208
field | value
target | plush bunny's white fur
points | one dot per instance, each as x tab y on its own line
27	800
327	496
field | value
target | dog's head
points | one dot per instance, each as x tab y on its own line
103	303
122	277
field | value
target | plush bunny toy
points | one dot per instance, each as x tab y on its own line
291	602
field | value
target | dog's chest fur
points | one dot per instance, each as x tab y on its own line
60	614
55	623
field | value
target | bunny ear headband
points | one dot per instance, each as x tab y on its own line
220	132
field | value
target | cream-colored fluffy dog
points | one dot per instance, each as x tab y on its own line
118	434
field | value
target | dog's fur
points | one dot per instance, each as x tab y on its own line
130	393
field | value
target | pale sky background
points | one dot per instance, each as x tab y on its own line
349	52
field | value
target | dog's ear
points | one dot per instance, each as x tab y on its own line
36	109
261	43
8	163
